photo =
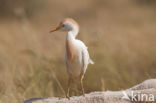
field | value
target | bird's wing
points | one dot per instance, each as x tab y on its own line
91	61
85	51
84	62
85	59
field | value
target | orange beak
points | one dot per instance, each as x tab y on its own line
58	28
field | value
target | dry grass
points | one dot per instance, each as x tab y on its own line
120	36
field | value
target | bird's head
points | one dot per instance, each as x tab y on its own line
67	24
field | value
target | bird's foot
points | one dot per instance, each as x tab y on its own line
67	96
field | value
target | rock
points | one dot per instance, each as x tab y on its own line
144	92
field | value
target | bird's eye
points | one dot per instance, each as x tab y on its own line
62	25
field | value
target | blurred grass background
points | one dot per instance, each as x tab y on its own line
121	36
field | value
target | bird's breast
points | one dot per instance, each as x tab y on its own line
70	50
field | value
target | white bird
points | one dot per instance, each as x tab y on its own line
76	56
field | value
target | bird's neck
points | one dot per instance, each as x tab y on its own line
70	39
72	35
74	32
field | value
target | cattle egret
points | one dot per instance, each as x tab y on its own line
76	56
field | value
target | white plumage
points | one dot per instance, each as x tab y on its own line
76	57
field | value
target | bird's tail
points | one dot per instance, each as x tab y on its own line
90	61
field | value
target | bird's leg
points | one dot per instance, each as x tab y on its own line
68	89
81	82
77	89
